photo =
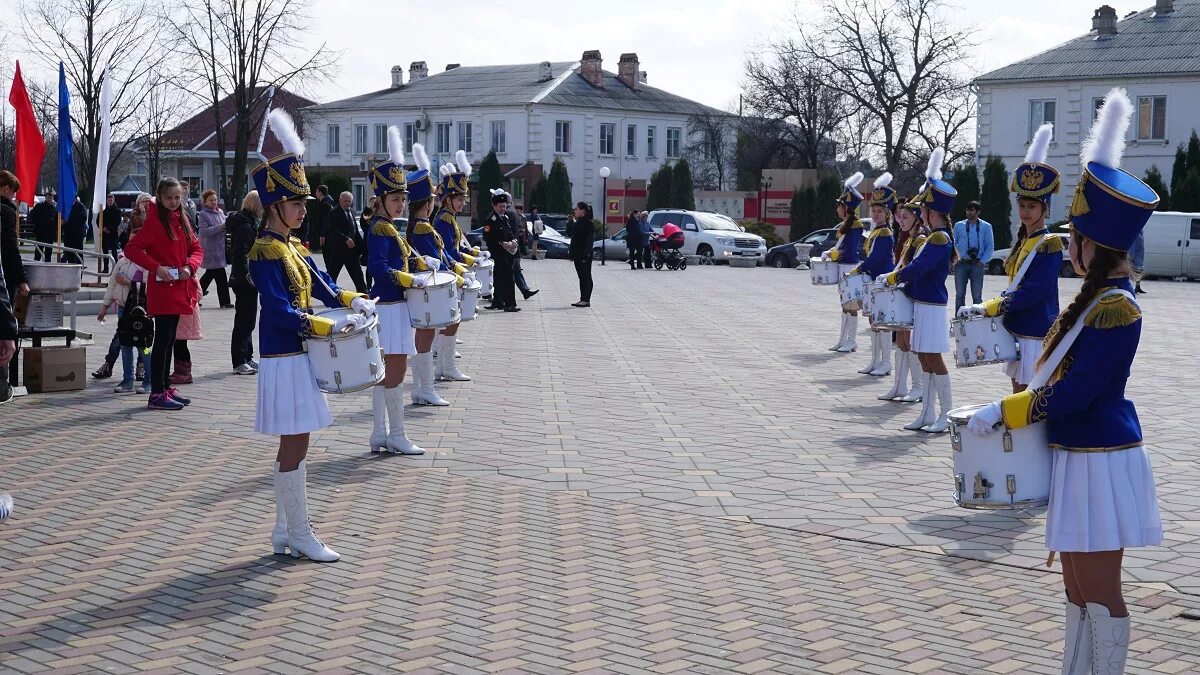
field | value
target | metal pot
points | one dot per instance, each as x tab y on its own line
46	277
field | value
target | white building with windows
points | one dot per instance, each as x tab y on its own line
1154	54
529	114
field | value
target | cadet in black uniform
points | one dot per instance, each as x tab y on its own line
497	232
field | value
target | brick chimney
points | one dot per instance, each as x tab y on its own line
417	70
1104	21
589	67
1162	7
397	77
627	71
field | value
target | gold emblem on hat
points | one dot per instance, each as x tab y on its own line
397	175
296	170
1031	179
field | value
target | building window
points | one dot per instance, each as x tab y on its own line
1040	112
381	139
410	136
360	193
1152	118
562	137
360	139
333	135
674	140
650	150
518	189
498	140
1097	104
608	139
631	140
464	136
443	137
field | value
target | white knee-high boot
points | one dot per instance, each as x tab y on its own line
941	384
841	336
917	392
899	382
1110	640
1077	642
926	416
397	441
423	392
851	343
884	367
379	410
874	355
301	538
447	369
279	536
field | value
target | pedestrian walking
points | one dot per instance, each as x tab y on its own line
342	244
212	239
582	230
521	230
647	236
538	228
974	243
634	240
243	228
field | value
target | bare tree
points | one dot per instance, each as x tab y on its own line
712	149
899	60
165	106
244	48
85	35
948	126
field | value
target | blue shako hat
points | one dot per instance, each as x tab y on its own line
420	182
882	193
936	194
455	176
1034	178
851	197
1111	206
390	176
283	177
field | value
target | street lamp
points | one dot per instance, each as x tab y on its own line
605	172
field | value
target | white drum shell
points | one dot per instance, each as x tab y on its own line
891	308
469	303
1010	469
346	362
823	272
853	290
436	305
982	340
484	274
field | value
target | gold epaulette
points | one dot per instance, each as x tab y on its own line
300	247
857	225
384	228
939	238
880	232
423	227
1051	245
267	248
1114	311
446	217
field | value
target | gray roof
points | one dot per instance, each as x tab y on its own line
519	84
1145	44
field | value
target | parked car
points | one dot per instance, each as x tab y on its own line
996	264
713	236
1169	251
615	247
784	255
555	221
552	241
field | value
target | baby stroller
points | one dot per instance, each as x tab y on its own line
665	249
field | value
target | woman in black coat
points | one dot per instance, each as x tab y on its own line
242	228
582	229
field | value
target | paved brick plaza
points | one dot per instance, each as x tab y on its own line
680	479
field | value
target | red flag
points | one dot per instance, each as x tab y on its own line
31	147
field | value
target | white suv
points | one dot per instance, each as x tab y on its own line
711	235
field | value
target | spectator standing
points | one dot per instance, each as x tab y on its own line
975	244
633	240
501	239
212	240
189	206
324	207
1137	260
120	284
582	230
342	244
243	230
521	231
364	229
538	228
8	348
189	329
110	229
10	262
647	235
74	231
45	226
137	217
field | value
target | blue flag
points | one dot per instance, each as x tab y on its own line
67	187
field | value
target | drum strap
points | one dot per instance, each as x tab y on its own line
1024	266
1046	370
315	274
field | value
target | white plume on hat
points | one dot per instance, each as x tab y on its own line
446	169
395	146
1106	143
464	164
853	181
1039	147
934	170
285	130
883	180
419	156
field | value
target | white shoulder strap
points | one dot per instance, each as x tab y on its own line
1025	266
1044	371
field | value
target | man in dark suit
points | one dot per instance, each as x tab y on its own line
44	217
501	239
342	245
320	214
74	232
517	220
110	227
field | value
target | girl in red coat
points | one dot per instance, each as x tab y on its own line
167	246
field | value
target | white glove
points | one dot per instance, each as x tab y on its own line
984	421
364	305
470	277
432	262
826	257
484	255
355	321
882	279
971	310
420	280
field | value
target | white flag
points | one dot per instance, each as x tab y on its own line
100	184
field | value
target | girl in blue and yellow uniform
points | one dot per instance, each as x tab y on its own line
1031	306
912	235
392	263
425	240
879	261
925	283
1102	494
846	254
455	250
290	405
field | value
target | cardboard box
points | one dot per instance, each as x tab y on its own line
49	369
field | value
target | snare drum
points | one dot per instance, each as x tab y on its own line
891	308
349	361
435	305
1006	470
484	272
823	272
853	290
981	340
470	300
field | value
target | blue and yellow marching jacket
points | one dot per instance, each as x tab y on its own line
846	251
282	271
1084	407
453	242
1031	309
879	252
427	242
925	277
391	261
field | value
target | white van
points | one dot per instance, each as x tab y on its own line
1170	253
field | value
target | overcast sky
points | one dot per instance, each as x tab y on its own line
694	48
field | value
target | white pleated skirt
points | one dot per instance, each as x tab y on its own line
396	334
931	329
1022	369
289	401
1102	501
